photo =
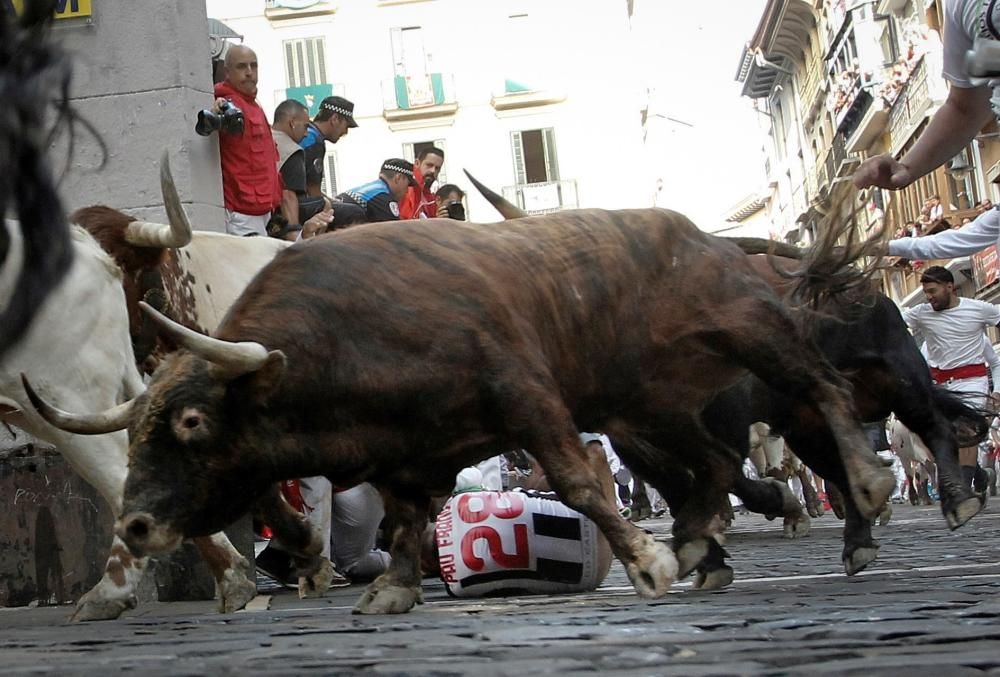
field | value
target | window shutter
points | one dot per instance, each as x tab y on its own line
520	172
330	175
305	62
549	148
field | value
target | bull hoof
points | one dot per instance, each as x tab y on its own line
859	559
713	580
653	570
690	556
235	589
387	599
965	511
815	510
323	579
92	607
885	516
796	526
873	492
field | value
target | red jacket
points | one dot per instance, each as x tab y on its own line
418	203
250	180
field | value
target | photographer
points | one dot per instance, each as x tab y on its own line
449	202
250	184
968	26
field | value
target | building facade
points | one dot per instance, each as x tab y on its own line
527	96
840	81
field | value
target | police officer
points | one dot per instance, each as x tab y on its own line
379	199
335	117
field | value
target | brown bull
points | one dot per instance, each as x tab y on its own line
400	353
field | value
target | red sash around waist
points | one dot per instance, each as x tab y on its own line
965	371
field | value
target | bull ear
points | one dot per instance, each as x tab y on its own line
266	380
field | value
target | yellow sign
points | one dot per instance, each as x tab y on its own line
65	9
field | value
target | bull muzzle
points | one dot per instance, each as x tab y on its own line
145	536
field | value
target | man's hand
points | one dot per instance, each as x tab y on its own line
883	171
317	224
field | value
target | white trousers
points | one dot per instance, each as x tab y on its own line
246	224
348	524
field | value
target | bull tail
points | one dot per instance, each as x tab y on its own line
34	69
838	266
970	423
507	209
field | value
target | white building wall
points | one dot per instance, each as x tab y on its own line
582	54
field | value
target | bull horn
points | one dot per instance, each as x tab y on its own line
175	235
234	358
500	203
108	421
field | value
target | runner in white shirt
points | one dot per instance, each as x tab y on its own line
966	110
953	329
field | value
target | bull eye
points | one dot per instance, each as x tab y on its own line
189	424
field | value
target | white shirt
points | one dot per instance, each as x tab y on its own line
954	336
960	31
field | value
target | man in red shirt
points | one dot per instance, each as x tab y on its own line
420	202
251	186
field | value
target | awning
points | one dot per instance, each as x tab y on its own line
218	33
217	29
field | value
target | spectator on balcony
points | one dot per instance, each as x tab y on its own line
420	201
953	127
335	117
909	229
379	200
935	208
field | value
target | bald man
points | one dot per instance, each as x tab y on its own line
250	185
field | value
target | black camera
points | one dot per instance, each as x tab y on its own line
456	210
228	120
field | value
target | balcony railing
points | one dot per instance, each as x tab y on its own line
911	104
409	92
542	198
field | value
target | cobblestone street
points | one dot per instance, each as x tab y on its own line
929	605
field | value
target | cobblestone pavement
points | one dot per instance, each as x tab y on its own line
930	605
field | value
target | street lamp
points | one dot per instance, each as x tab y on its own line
960	170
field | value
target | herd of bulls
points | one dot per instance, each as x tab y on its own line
400	353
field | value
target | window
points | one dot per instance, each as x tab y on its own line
305	62
330	175
416	81
534	153
412	150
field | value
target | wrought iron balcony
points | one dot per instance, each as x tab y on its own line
542	198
